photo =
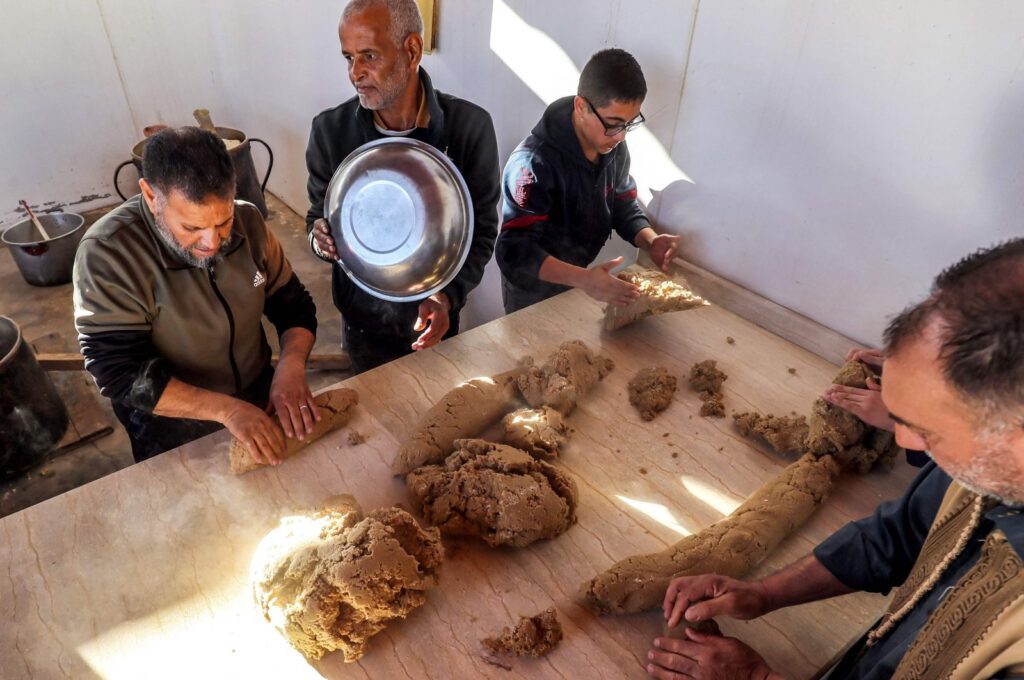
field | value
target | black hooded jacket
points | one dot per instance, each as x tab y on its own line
558	203
460	129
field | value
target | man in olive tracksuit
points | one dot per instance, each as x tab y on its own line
170	289
383	44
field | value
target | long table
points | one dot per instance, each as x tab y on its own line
144	573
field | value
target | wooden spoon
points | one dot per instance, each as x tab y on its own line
202	117
35	220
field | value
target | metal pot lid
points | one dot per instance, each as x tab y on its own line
401	217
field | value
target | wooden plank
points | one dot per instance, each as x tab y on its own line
87	419
793	326
60	361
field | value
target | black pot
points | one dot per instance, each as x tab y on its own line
32	416
247	185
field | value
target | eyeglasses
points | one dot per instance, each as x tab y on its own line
612	130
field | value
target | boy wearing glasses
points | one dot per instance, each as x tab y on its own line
568	185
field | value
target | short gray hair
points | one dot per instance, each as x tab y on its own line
404	16
977	306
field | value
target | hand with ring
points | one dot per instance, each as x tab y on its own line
291	399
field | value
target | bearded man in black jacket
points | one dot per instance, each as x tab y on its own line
382	43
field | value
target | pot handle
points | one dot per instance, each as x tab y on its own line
117	172
270	165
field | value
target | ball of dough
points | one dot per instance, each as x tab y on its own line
332	579
496	492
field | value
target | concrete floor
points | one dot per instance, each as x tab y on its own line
39	311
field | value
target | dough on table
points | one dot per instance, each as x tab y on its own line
830	430
332	579
496	492
335	408
713	407
678	631
736	544
786	434
651	391
833	429
568	374
532	636
538	431
706	378
464	411
731	546
659	294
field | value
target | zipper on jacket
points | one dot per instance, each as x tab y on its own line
231	330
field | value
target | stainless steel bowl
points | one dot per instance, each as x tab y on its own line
401	217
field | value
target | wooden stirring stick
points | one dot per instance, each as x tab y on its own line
35	220
202	117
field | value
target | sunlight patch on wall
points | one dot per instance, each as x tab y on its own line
547	70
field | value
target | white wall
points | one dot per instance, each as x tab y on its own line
513	57
257	65
64	122
831	156
843	153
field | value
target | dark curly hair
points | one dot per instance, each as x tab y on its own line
190	160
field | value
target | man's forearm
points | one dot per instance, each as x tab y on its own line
296	344
806	580
182	400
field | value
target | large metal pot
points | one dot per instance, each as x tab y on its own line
247	185
32	416
46	262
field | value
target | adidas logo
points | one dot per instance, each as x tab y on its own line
259	279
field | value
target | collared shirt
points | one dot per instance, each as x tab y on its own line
877	553
422	119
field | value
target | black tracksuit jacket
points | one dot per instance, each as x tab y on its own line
556	202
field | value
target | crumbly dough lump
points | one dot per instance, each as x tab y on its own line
332	579
651	391
540	431
532	636
496	492
568	374
659	294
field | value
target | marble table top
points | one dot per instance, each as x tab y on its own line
143	574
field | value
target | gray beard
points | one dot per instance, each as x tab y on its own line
184	253
1004	496
390	91
992	475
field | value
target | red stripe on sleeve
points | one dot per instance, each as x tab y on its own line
626	195
523	222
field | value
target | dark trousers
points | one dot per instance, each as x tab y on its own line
514	298
151	434
370	347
